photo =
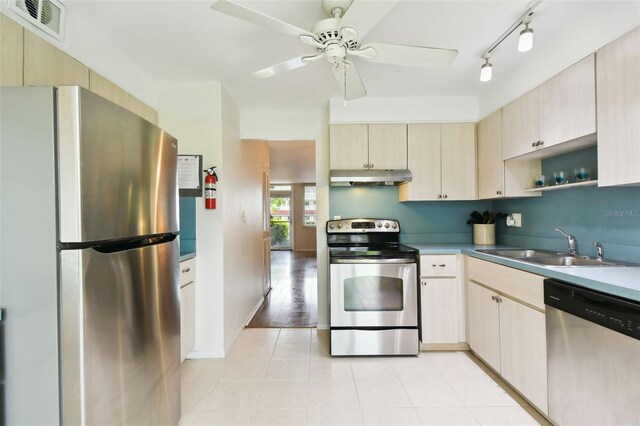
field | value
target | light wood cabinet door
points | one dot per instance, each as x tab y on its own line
484	324
439	310
567	104
618	89
423	146
458	145
45	65
348	146
521	125
490	162
388	146
11	52
523	350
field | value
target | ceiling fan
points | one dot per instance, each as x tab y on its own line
338	40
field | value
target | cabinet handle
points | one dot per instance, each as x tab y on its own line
439	196
499	192
498	299
366	166
444	196
493	298
424	283
184	271
371	166
442	265
541	143
533	144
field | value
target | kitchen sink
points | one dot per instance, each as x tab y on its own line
519	253
550	258
570	261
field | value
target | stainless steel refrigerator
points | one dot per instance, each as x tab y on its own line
89	262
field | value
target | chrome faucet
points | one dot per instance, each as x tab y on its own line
599	250
571	240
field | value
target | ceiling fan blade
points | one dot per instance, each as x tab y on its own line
249	15
289	65
349	80
363	15
411	56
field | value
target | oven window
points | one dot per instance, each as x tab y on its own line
373	293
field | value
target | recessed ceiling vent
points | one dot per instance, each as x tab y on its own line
46	15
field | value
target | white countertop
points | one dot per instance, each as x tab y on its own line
620	281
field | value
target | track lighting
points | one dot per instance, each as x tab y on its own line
525	42
486	70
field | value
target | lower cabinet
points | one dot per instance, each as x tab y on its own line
507	326
187	308
441	302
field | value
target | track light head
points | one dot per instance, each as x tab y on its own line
486	70
525	42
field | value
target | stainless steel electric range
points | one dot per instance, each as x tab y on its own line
373	289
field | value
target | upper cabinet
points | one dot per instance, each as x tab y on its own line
442	160
374	146
498	178
560	110
388	146
568	104
618	68
11	52
45	65
108	90
520	125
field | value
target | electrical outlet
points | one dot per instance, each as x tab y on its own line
517	220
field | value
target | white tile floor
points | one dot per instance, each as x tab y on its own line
286	377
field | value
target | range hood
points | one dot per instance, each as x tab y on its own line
368	177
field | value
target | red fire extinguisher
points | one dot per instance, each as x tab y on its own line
210	188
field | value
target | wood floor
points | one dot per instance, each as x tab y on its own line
292	301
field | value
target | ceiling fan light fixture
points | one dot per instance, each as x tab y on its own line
525	41
486	71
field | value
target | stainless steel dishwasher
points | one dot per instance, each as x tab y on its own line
593	352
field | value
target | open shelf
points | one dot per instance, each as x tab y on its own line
564	186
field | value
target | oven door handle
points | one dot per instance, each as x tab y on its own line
370	261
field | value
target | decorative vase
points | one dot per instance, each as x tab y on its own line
484	234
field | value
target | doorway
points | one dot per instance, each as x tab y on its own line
291	227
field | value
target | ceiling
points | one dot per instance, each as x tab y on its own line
292	161
188	41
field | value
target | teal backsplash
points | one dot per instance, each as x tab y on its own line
608	215
187	225
420	222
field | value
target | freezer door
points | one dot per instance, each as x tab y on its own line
120	335
116	171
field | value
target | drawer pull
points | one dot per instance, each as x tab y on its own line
493	298
442	265
184	271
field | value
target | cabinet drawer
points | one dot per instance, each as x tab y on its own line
519	285
438	265
187	272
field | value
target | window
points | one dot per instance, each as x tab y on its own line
309	206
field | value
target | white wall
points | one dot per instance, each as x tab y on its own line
300	125
436	109
192	112
243	257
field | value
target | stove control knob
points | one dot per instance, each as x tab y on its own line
332	226
379	224
386	225
339	225
394	226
